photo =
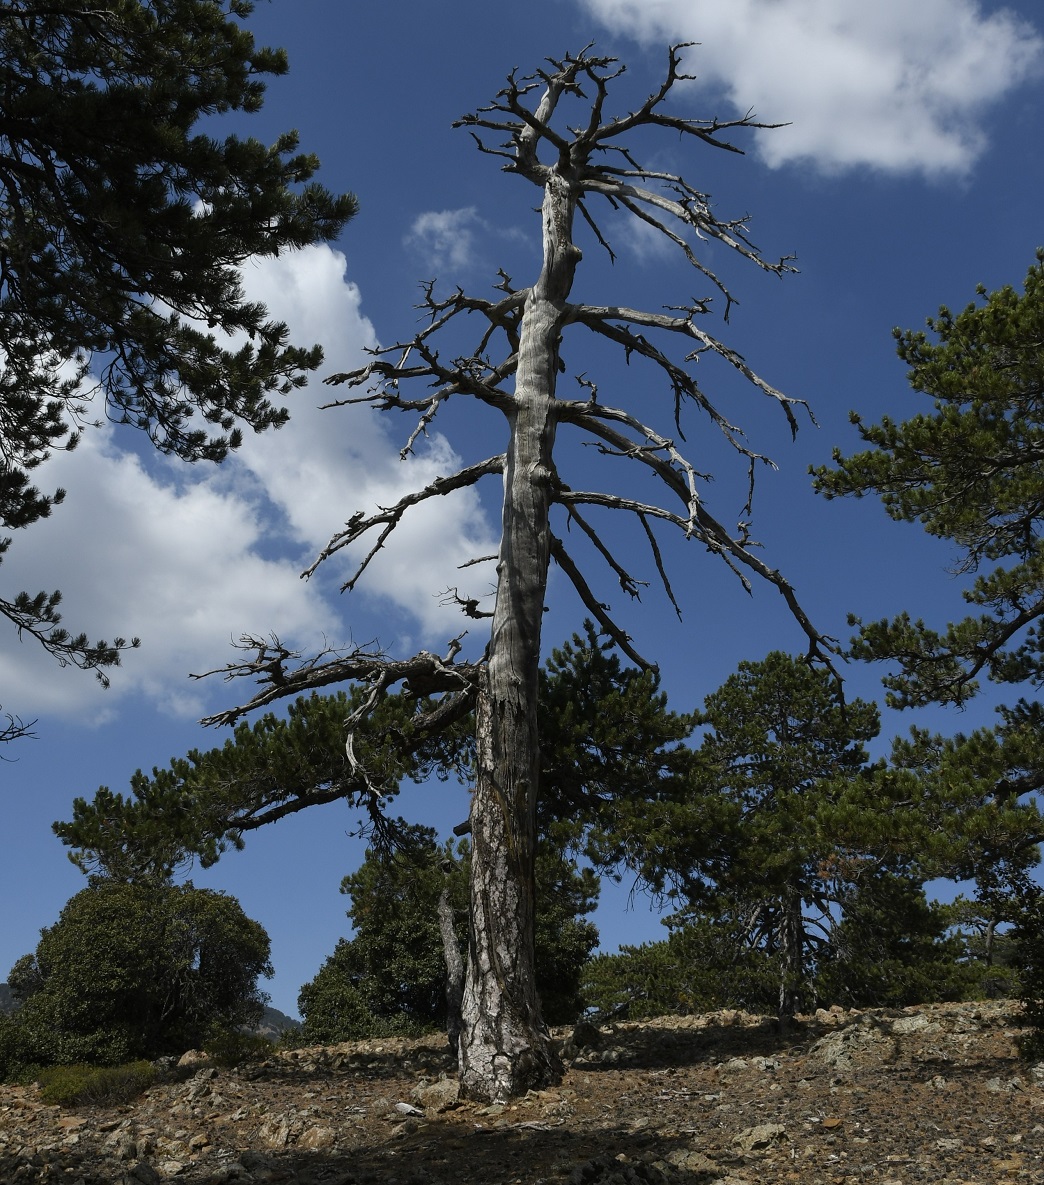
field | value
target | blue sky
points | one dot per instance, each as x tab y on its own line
910	172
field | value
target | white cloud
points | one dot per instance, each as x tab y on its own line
346	459
445	239
137	556
190	557
893	85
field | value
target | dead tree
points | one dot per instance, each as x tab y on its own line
514	370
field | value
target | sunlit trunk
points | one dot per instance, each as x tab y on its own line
505	1048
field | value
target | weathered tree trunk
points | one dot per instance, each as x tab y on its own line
791	957
454	969
505	1047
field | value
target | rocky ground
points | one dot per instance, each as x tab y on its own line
934	1094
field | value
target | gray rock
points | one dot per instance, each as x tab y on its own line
144	1173
438	1096
756	1139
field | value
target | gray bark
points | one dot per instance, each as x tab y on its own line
505	1047
454	969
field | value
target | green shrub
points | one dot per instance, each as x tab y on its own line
71	1086
138	971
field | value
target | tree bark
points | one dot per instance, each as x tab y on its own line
505	1046
790	939
454	969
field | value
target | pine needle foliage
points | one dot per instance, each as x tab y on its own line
124	219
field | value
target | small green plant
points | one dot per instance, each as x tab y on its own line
233	1048
71	1086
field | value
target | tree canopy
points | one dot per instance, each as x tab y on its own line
138	971
969	471
124	219
787	760
615	771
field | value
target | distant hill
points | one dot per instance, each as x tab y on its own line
7	1001
275	1022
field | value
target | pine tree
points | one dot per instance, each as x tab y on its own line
788	759
391	975
123	223
969	471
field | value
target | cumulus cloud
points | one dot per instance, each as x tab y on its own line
445	239
135	555
346	459
189	557
892	85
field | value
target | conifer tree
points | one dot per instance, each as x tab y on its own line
391	975
123	222
550	130
969	471
806	815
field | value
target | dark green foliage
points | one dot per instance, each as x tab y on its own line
1026	912
892	948
799	809
122	228
979	790
16	1053
969	471
137	971
233	1047
705	964
99	1086
204	803
616	773
390	977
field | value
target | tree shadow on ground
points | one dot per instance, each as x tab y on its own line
459	1154
652	1048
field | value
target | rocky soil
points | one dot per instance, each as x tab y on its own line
935	1094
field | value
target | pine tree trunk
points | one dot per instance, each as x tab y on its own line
454	969
791	957
505	1048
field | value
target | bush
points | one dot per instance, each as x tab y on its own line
701	967
103	1086
135	971
15	1053
231	1049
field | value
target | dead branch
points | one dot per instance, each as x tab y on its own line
601	319
627	582
597	609
391	516
425	674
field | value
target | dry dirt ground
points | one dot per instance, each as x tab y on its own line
934	1095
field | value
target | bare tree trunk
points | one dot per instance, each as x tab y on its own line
505	1047
791	957
454	969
